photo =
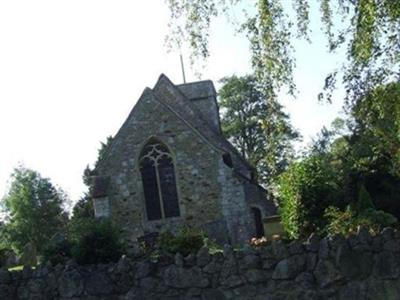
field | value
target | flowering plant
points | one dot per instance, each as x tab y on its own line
258	242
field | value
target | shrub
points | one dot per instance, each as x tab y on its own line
58	250
306	189
364	200
359	213
187	241
347	222
98	242
3	257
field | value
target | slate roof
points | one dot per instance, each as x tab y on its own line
174	97
197	90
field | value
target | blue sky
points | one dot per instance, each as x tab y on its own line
70	72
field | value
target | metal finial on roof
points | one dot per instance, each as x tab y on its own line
183	69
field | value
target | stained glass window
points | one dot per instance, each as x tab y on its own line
159	184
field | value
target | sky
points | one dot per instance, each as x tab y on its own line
71	71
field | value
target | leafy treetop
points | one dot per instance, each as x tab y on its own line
368	30
256	125
34	208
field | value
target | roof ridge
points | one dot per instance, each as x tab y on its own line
146	92
219	139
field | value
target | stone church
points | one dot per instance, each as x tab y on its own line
169	166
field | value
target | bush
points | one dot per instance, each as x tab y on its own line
359	213
7	257
347	222
187	241
306	189
3	257
98	242
58	250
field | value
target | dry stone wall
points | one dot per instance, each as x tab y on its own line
360	267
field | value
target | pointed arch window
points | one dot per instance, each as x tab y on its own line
159	184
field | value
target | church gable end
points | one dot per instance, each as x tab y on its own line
163	170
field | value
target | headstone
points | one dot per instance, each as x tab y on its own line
28	257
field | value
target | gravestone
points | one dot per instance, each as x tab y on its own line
28	257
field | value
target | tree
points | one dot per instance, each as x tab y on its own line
88	172
83	211
256	125
34	209
375	146
2	236
362	163
377	118
84	207
368	30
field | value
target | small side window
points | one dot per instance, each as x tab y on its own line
226	157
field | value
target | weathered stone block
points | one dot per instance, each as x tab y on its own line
143	269
70	284
290	267
232	281
354	291
213	294
354	264
251	261
98	284
184	278
5	276
312	243
387	265
256	276
326	274
203	257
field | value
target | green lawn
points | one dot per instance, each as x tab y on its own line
17	268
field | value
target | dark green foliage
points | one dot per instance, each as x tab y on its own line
361	213
256	125
83	209
243	108
366	30
3	256
187	241
102	152
363	164
375	146
89	241
58	252
34	207
97	242
306	189
363	202
82	213
3	240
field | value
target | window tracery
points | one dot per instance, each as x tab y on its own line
159	183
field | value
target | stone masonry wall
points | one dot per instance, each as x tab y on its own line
196	174
360	267
197	166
